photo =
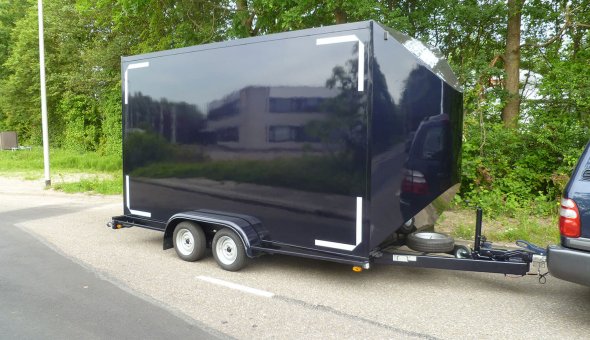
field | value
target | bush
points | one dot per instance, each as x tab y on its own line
81	116
111	134
522	169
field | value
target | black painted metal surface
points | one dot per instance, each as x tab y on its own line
439	262
331	137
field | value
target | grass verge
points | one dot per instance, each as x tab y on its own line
96	184
71	171
540	230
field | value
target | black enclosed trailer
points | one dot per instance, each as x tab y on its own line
321	143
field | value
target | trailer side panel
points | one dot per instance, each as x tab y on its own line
416	128
275	129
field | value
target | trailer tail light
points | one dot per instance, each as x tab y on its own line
415	183
569	218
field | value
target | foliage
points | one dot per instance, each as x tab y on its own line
505	171
81	132
522	169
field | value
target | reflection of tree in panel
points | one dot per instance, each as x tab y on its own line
153	128
421	97
387	127
345	129
176	122
346	126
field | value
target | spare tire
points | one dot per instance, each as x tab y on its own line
430	242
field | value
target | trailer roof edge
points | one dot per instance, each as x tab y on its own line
253	40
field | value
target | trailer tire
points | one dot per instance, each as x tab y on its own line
430	242
228	250
189	241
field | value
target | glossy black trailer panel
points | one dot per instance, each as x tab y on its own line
275	129
320	134
416	126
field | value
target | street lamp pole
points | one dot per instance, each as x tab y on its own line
43	97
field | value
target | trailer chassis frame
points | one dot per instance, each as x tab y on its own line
483	257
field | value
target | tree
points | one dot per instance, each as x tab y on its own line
10	13
256	17
510	112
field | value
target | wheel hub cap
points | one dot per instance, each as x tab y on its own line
185	241
225	249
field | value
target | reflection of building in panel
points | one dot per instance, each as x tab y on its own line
263	118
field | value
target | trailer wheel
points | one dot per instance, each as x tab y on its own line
189	241
228	250
430	242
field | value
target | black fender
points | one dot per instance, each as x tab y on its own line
247	227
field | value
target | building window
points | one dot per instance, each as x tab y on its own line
286	133
295	105
230	134
225	111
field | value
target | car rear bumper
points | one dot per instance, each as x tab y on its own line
569	264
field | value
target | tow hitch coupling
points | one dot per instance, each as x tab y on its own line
530	253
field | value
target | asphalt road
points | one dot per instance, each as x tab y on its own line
280	296
45	295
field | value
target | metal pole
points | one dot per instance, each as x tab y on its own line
478	218
43	96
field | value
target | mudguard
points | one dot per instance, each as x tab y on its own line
247	227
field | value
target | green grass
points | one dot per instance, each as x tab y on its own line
538	230
93	185
61	160
102	173
463	232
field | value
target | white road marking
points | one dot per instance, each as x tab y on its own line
236	286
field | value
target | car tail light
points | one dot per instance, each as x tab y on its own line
415	183
569	218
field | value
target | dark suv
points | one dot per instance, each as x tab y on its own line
571	260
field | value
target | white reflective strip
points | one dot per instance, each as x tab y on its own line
336	40
140	213
361	71
127	191
335	245
236	286
361	61
128	201
359	231
138	65
131	67
359	220
442	91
